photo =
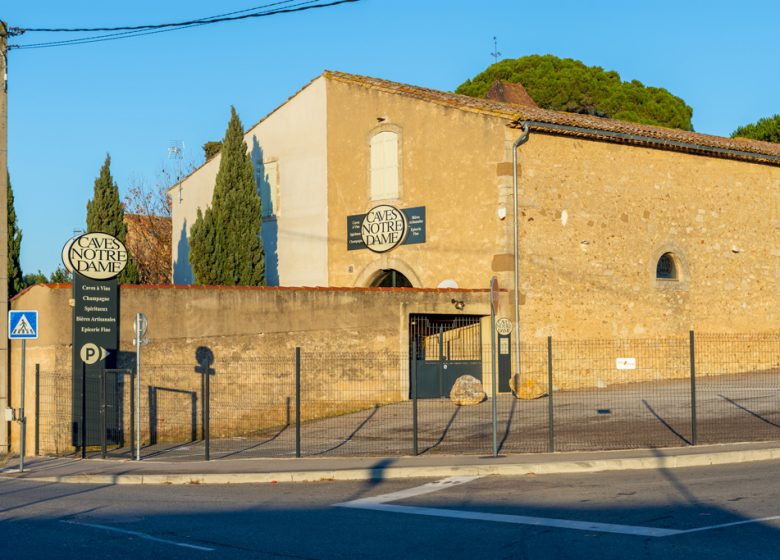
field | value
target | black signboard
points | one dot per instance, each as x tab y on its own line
504	362
415	233
95	348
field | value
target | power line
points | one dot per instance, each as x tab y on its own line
99	38
216	18
145	26
141	30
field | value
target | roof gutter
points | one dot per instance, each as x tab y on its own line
522	139
638	138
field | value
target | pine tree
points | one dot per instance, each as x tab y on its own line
564	84
105	213
225	244
15	278
766	129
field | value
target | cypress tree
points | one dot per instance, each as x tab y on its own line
225	244
106	214
15	278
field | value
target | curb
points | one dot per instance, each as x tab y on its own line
365	474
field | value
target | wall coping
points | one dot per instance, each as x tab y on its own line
62	286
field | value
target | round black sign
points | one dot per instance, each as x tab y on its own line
383	228
98	256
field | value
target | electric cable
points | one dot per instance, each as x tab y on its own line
137	31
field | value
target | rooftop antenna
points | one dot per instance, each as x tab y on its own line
176	151
495	54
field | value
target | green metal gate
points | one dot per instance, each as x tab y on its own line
443	348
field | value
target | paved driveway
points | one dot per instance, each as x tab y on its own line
639	415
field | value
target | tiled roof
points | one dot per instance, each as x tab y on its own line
586	126
508	92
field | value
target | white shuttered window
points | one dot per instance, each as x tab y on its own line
384	165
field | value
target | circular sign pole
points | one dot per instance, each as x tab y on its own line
493	309
139	327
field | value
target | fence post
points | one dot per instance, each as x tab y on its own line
132	416
103	417
103	427
415	444
37	408
550	423
83	410
694	427
206	409
297	401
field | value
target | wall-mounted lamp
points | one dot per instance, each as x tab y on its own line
459	305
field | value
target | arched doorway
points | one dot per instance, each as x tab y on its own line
390	278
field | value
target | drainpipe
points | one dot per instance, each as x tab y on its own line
522	139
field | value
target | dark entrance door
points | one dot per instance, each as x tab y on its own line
444	347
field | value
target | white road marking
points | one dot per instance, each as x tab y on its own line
519	520
139	535
412	492
381	503
733	524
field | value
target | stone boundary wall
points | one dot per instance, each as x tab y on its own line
354	346
253	333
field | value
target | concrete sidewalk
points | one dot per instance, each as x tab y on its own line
243	471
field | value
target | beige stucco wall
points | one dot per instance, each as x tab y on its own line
448	164
294	137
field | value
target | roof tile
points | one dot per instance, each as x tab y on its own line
598	127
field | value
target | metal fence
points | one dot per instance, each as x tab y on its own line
585	395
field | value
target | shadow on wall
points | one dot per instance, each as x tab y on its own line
270	227
182	270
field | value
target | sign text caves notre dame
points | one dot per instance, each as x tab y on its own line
95	259
385	227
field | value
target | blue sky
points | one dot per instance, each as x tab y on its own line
69	106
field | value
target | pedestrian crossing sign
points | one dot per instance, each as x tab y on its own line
22	325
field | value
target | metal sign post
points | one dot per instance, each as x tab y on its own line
22	419
139	328
493	306
22	325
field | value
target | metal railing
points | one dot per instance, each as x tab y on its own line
571	395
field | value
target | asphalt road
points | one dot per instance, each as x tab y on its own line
713	512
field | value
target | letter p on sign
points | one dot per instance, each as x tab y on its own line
91	353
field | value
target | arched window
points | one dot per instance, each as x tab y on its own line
666	268
390	278
384	165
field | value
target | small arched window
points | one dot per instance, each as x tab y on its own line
384	165
666	268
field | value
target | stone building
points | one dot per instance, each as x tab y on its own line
628	234
624	229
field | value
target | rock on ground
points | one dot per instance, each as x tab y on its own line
526	388
467	390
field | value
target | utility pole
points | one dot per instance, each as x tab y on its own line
4	361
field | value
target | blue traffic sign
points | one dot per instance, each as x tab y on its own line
22	325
